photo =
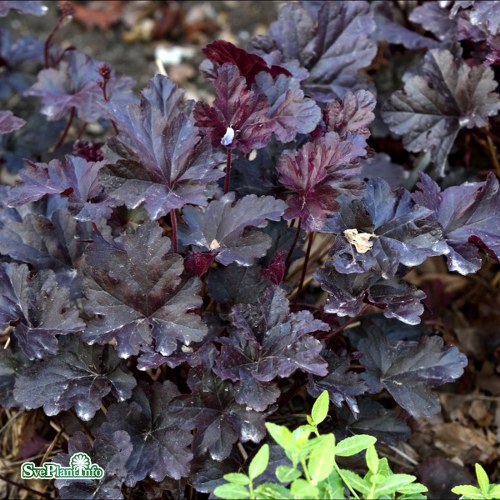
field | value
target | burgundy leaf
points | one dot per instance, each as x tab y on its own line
317	173
239	118
249	65
276	270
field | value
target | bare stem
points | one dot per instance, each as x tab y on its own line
228	170
293	245
305	265
173	223
66	129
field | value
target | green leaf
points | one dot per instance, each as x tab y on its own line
376	478
355	481
372	459
272	491
232	492
354	444
322	459
301	435
320	408
482	479
413	496
281	435
287	474
467	491
259	462
393	483
300	488
413	488
237	478
495	491
331	487
383	467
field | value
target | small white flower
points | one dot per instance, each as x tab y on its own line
227	140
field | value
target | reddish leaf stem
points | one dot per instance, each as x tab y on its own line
66	129
292	247
305	265
66	10
228	170
173	223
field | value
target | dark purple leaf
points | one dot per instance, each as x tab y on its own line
26	7
389	28
111	452
239	118
136	294
222	227
159	445
485	15
29	142
36	308
290	111
78	377
166	163
342	385
9	122
470	217
408	370
375	420
268	342
348	293
249	65
47	243
382	166
331	42
445	96
219	420
75	177
317	173
74	85
384	230
255	176
236	285
11	365
460	22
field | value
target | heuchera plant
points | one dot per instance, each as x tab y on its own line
167	290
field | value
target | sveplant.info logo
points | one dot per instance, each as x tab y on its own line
80	467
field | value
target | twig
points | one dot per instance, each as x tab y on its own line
51	447
22	487
304	268
493	151
242	451
292	247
